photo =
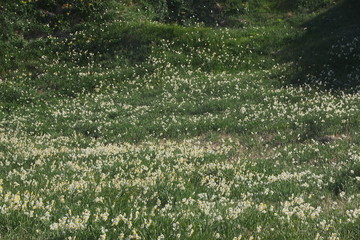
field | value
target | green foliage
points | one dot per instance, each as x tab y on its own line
63	8
209	12
313	5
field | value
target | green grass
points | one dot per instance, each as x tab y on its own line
117	128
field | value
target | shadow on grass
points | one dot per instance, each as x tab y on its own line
329	51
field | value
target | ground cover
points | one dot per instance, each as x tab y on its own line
150	130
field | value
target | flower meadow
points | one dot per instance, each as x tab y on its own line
127	130
209	156
188	189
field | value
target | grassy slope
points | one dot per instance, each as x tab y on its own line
329	49
191	128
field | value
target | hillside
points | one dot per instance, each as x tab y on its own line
174	119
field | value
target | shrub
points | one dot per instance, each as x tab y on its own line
209	12
313	5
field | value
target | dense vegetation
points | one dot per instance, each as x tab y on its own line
176	119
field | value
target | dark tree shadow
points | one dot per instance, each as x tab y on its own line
329	51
